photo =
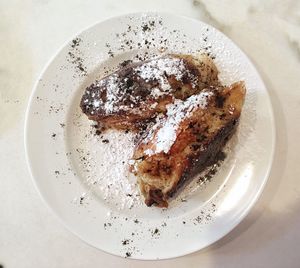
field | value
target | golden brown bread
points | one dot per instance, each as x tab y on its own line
136	93
186	140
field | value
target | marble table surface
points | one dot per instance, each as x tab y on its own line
31	31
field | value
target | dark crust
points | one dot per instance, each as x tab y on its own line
135	93
198	146
197	163
207	157
133	87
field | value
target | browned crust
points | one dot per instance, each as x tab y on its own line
142	111
194	165
208	157
195	147
136	115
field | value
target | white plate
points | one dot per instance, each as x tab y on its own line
73	169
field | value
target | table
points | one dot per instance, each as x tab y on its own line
32	31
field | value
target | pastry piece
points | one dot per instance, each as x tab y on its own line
136	93
186	140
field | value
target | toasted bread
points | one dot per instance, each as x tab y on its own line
186	140
136	93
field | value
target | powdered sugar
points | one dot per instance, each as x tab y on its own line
112	90
159	70
165	137
105	166
129	88
96	103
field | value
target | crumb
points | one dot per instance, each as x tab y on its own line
155	232
199	219
128	254
208	217
125	242
75	42
110	53
107	224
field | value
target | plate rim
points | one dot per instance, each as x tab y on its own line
247	209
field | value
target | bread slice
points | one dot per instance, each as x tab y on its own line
186	140
136	93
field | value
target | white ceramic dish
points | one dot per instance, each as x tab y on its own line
85	180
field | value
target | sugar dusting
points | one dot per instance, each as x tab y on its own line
102	162
159	70
166	135
109	94
102	188
112	88
232	66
